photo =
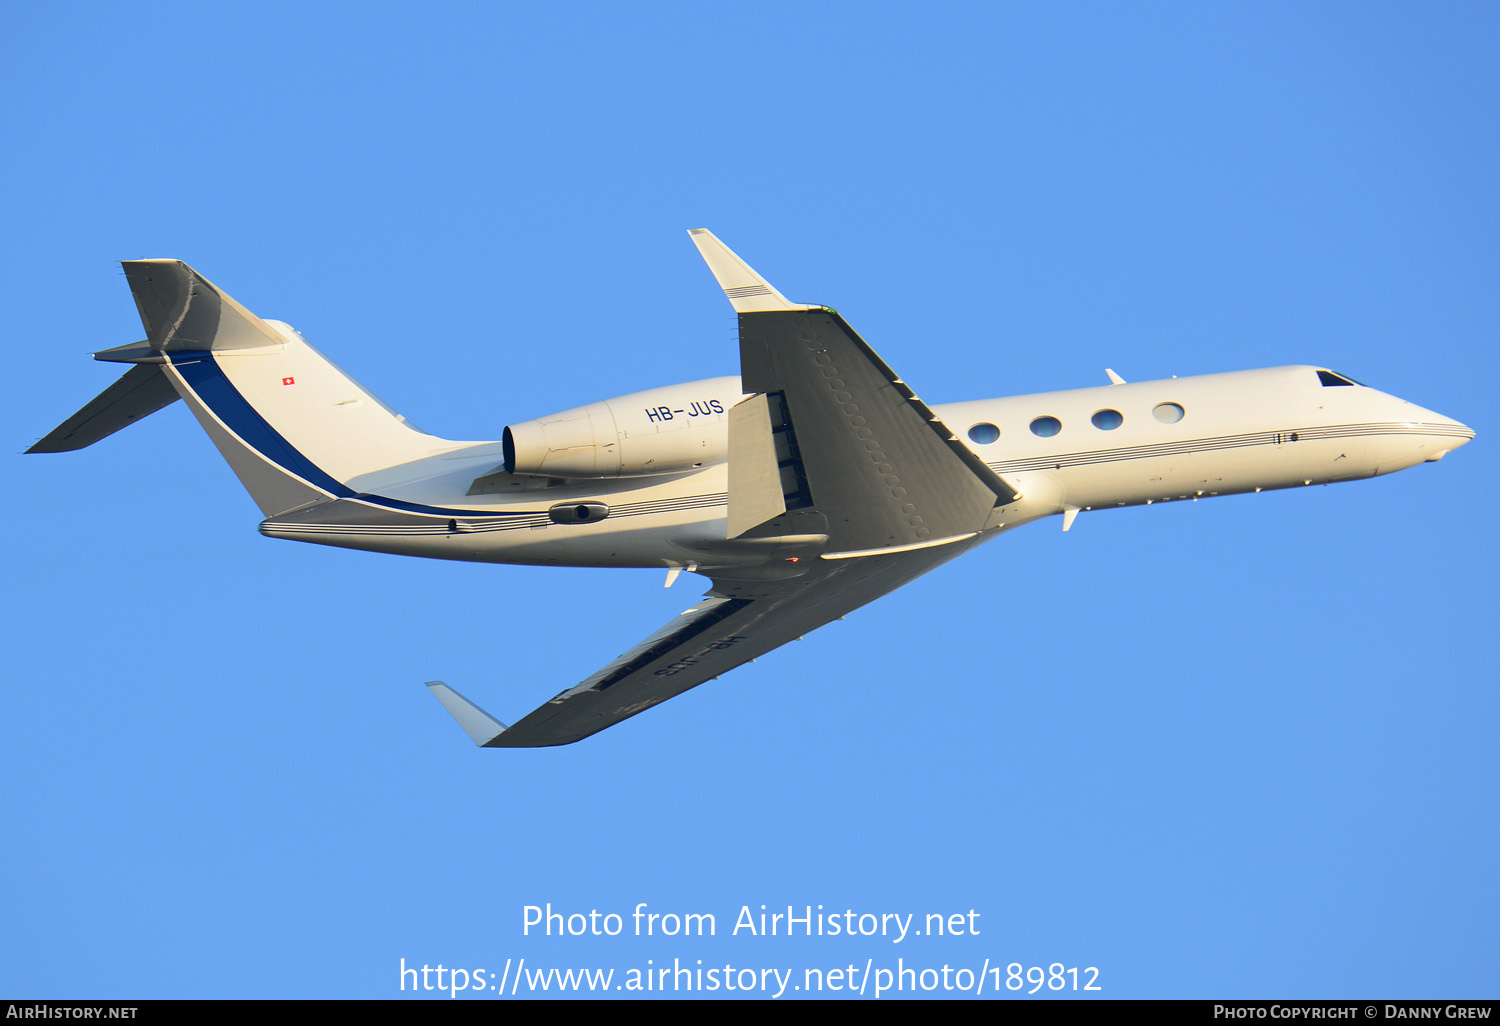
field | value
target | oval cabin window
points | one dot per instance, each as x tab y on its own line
1167	413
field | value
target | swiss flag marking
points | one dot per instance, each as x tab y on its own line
288	381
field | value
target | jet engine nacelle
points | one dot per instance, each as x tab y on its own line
661	431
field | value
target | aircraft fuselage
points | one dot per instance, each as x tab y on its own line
1083	449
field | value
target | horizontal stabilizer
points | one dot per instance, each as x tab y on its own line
183	311
478	724
142	391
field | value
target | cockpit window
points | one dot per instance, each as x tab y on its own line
1331	380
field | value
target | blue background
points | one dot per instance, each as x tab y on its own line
1240	748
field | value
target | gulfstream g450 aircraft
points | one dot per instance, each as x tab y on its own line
811	484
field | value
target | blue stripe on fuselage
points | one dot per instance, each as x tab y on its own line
206	378
203	373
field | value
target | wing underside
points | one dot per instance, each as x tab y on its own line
738	621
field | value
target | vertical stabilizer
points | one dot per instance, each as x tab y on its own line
291	424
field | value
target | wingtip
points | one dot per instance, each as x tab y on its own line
481	727
746	290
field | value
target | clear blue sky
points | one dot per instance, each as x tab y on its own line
1239	748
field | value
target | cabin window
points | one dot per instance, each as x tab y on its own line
1046	427
1107	420
984	434
1167	413
1332	380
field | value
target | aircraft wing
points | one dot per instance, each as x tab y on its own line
736	622
847	481
851	441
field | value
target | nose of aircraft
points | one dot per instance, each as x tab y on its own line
1441	435
1416	435
1457	434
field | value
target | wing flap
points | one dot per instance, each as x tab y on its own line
755	490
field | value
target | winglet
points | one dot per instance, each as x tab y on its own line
748	292
481	727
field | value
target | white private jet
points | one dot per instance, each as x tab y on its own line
811	484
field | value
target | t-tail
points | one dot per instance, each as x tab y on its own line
294	427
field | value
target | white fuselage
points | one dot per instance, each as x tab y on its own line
1113	445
